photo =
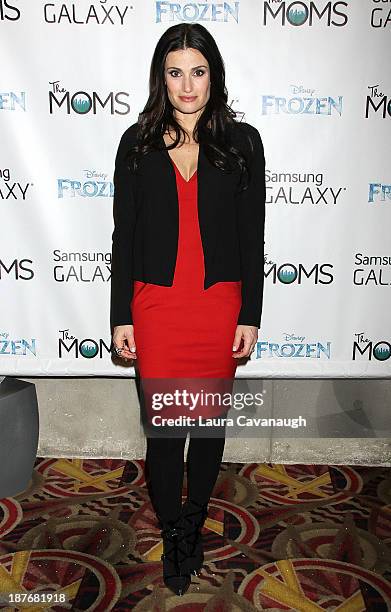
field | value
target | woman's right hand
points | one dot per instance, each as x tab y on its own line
123	337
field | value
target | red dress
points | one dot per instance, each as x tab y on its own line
184	331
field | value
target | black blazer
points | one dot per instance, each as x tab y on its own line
146	224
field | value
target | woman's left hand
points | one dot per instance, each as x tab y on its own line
249	333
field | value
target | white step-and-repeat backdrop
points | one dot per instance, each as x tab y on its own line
314	78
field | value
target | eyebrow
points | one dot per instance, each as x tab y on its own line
195	67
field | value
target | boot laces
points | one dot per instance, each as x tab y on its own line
176	554
193	534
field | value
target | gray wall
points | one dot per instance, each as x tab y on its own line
99	417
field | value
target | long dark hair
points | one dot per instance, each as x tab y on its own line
215	122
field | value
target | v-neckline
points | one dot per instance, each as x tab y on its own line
174	164
180	174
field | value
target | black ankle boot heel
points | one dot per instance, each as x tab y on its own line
194	516
175	573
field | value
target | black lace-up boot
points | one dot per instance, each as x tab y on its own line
175	573
194	516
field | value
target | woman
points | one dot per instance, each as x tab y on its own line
187	268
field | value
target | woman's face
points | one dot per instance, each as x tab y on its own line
187	76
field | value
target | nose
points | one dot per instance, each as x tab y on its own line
187	85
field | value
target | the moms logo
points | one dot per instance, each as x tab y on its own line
288	273
83	102
16	269
88	348
377	102
367	349
8	11
305	13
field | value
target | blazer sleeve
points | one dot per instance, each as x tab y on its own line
124	214
251	226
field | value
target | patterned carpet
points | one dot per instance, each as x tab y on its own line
278	537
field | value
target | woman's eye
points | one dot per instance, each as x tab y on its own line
175	72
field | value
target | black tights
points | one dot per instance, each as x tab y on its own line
165	470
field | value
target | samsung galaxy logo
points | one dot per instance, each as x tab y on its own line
381	14
300	188
12	190
100	13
